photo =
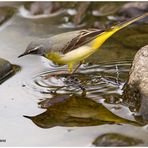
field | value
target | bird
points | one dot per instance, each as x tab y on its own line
73	47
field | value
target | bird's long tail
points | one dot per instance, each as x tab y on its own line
101	38
128	22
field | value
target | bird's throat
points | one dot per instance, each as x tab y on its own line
53	56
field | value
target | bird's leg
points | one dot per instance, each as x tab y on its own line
71	71
70	68
81	62
54	74
76	68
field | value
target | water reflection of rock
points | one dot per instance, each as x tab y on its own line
74	110
136	89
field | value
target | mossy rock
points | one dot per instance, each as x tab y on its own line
133	37
126	32
143	28
115	52
136	41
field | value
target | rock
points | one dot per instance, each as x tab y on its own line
132	37
6	13
135	92
133	9
81	12
140	5
106	9
37	8
113	139
135	41
143	29
74	110
6	69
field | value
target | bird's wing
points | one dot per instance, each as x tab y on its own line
82	38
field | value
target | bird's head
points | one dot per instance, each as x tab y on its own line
36	48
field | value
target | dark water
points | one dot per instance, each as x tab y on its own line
73	109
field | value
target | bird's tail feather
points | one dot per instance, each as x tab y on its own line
102	37
128	22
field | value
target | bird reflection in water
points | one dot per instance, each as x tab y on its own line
75	110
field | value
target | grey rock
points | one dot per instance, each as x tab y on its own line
6	69
138	5
132	9
139	70
136	89
37	8
6	13
82	8
114	139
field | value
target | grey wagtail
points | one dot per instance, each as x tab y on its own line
73	47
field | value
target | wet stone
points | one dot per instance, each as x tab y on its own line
133	37
136	41
6	69
37	8
136	89
113	98
106	9
143	29
133	9
83	7
6	13
113	139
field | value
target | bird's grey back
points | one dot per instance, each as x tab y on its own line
59	42
69	41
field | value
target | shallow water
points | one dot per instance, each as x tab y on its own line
96	79
102	77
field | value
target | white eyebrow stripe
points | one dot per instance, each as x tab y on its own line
35	48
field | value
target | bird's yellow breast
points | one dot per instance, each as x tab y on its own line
53	56
76	55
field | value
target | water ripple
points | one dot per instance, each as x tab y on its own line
94	79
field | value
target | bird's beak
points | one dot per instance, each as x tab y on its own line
27	117
25	53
